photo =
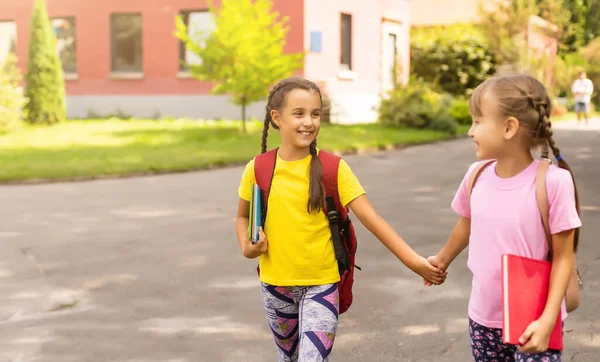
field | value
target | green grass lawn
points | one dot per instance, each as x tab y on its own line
90	148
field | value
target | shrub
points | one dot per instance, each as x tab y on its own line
459	110
12	99
445	124
417	106
456	58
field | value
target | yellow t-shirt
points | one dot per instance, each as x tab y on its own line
300	250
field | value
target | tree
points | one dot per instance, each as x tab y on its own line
11	94
244	54
579	19
508	27
45	83
505	29
593	20
569	15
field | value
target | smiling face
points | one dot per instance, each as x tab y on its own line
511	113
299	119
488	131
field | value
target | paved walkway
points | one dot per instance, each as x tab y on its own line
593	125
148	269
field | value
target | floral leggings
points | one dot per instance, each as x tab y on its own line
487	346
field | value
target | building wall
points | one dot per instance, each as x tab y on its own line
445	12
95	89
354	94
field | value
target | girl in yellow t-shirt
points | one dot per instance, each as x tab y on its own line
298	268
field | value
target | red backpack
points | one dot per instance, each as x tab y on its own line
342	230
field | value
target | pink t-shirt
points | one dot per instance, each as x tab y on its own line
505	219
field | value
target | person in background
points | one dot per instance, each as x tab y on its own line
582	90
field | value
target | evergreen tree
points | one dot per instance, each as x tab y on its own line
45	83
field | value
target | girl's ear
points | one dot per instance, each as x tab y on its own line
511	127
275	117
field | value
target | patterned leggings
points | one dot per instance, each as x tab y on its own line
487	346
303	320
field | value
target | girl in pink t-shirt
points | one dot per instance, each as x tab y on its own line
510	118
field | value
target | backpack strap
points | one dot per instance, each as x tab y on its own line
541	196
336	213
264	167
477	171
331	164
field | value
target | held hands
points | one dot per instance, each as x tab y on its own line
434	261
431	274
536	337
252	250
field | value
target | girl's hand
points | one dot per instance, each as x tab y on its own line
252	250
430	273
536	337
436	262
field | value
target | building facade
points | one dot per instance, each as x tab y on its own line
122	57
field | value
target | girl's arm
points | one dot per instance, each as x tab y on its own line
458	241
362	208
536	337
249	249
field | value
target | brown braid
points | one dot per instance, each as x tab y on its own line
268	118
526	99
265	134
544	128
275	102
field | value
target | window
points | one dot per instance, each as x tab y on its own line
64	29
126	42
8	39
316	41
346	42
198	23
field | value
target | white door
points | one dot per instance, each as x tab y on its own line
390	57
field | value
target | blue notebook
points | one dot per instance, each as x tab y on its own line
251	214
255	212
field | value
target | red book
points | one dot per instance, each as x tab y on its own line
525	285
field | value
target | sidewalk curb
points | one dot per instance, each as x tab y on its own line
217	166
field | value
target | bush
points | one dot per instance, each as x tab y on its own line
445	124
459	110
12	99
45	83
417	106
457	57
